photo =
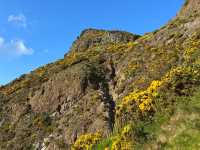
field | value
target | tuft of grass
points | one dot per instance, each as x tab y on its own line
105	143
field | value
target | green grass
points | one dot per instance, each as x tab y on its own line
189	138
180	126
103	144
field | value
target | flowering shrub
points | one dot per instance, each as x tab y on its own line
123	141
74	57
190	73
143	99
86	141
120	47
176	78
191	49
180	79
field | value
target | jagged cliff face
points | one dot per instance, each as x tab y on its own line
94	87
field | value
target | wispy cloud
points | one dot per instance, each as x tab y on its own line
1	41
19	20
14	48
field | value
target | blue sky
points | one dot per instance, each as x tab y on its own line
37	32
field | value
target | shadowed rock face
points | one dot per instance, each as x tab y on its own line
78	94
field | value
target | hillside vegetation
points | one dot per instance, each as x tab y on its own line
112	91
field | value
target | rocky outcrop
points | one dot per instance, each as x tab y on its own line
93	37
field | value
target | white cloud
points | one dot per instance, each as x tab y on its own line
1	41
19	20
21	48
14	48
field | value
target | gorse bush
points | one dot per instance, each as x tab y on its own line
86	141
143	99
123	141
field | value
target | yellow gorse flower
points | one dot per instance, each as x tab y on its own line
86	141
122	141
142	98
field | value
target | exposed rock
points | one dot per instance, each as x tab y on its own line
191	7
93	37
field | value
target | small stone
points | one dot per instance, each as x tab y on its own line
162	139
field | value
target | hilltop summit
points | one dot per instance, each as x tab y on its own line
94	37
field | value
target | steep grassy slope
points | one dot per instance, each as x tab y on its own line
113	90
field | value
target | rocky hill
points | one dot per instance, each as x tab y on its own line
113	90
